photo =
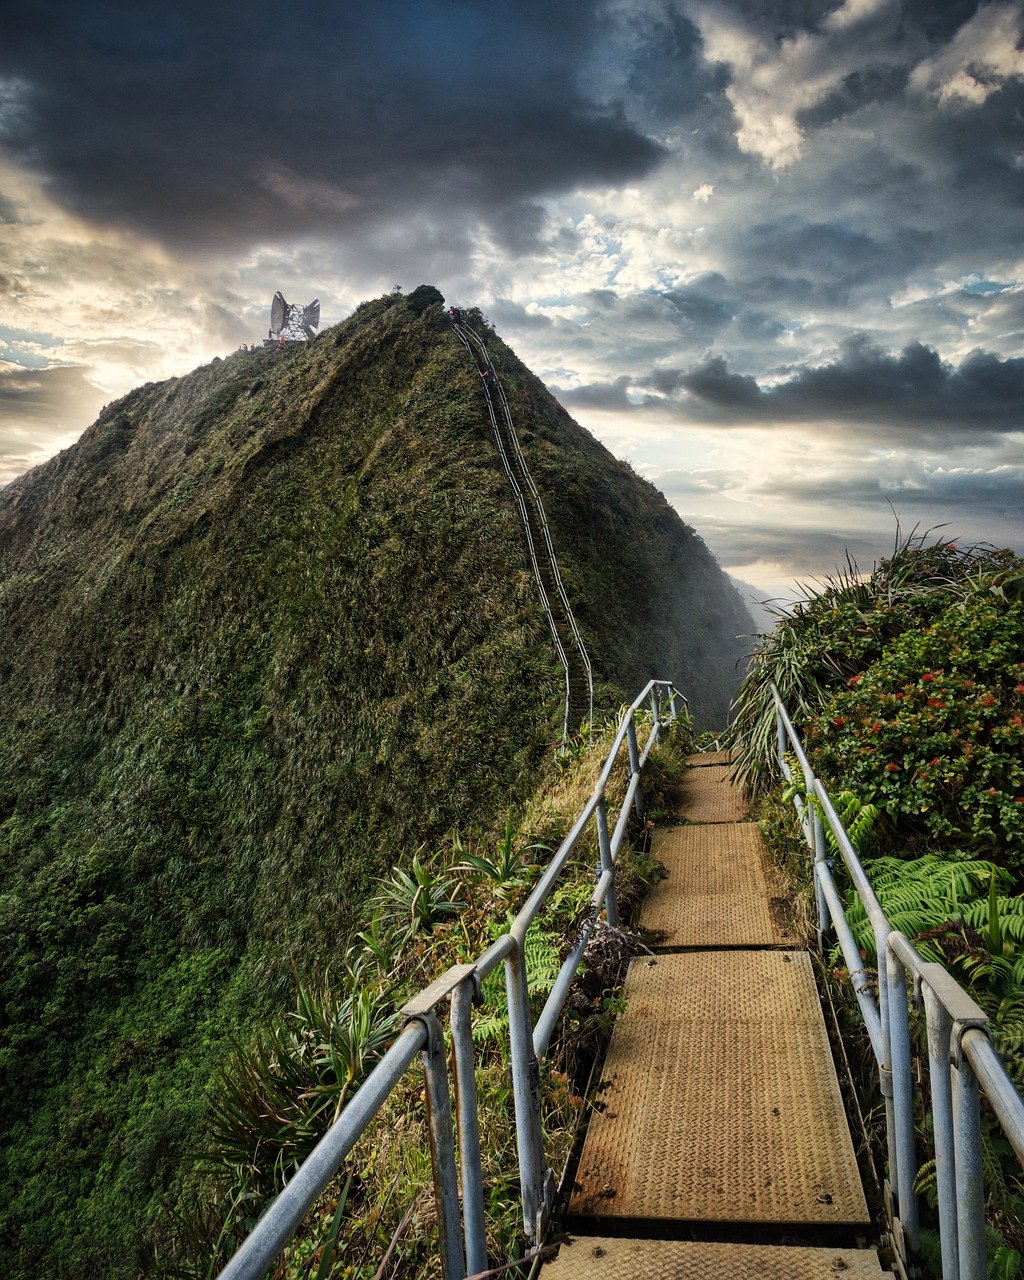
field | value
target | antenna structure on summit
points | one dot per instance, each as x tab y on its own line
291	323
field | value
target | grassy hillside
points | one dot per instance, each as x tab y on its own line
265	631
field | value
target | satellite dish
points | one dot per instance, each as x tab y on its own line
292	323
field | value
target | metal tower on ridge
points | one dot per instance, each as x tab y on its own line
291	323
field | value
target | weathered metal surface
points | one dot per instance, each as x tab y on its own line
707	795
718	891
720	1099
702	758
604	1258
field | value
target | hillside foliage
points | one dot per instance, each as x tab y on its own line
266	631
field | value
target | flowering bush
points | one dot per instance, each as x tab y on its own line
932	732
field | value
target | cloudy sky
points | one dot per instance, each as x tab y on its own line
770	251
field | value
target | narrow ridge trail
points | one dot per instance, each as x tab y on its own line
569	645
720	1149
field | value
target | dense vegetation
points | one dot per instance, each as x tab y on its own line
265	632
907	686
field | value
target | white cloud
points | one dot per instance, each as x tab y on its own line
774	80
980	58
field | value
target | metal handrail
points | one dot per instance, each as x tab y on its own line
963	1063
520	502
468	337
462	1228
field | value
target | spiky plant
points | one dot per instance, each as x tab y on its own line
839	627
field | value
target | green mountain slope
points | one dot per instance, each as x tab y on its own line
265	630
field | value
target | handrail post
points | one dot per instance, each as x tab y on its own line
970	1186
634	766
897	1018
673	703
442	1149
526	1093
939	1025
656	706
469	1127
611	908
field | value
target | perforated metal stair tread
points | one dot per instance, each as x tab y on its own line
707	795
719	890
720	1101
703	758
604	1258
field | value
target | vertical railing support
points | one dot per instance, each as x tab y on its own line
526	1094
611	907
939	1025
656	706
634	767
673	703
819	848
469	1128
442	1149
898	1021
970	1186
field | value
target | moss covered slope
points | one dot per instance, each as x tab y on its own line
263	631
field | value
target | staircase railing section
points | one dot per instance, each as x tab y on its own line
462	1228
477	348
963	1064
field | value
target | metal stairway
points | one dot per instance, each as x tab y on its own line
720	1149
569	645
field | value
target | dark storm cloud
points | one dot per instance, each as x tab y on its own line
221	123
915	390
998	490
825	261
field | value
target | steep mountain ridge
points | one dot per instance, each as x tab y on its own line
264	631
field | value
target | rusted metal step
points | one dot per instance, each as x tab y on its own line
720	890
604	1258
702	758
720	1101
708	795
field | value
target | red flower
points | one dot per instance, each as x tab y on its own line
934	760
936	702
853	680
839	721
1018	799
992	792
927	676
876	725
950	546
1018	688
988	700
891	767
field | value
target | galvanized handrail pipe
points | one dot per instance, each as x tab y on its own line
854	965
520	503
554	868
939	1025
421	1034
542	516
470	1160
997	1086
294	1201
963	1063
